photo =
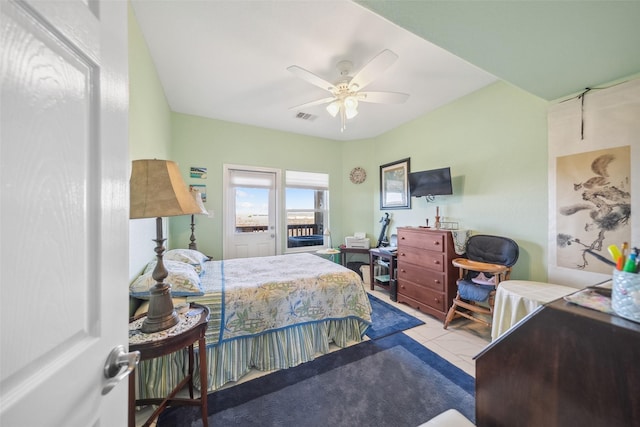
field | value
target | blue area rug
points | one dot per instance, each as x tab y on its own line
392	381
387	320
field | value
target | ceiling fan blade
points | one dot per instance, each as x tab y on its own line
311	78
383	97
374	68
312	103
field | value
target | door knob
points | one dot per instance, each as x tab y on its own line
119	364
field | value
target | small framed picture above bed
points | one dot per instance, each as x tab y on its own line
394	185
200	188
198	172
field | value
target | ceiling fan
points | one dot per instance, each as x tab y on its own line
346	92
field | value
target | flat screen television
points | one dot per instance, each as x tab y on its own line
434	182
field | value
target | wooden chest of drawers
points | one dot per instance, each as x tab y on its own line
426	277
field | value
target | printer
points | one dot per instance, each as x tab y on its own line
357	241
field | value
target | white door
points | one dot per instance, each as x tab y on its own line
251	220
63	210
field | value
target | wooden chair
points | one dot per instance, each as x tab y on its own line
488	262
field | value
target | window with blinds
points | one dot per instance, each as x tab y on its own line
307	208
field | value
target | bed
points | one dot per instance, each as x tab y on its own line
266	313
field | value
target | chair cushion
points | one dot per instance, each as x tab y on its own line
492	249
474	291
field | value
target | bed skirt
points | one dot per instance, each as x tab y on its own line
230	360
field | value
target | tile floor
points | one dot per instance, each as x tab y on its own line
458	344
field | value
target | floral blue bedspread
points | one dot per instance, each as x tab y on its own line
251	296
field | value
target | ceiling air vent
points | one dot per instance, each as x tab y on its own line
305	116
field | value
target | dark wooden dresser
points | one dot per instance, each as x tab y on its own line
426	277
565	365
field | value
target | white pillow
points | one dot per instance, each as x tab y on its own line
183	278
190	256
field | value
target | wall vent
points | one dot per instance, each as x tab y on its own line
305	116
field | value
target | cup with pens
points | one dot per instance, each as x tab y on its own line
625	296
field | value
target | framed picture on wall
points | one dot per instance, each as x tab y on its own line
201	188
394	185
198	172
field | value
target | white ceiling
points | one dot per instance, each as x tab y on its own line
228	59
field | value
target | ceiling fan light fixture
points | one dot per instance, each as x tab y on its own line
333	108
351	107
345	94
350	103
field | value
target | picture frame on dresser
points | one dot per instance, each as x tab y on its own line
394	185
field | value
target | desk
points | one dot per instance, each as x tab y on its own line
515	299
190	328
564	365
391	283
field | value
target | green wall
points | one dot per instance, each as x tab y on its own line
149	134
208	143
150	124
495	141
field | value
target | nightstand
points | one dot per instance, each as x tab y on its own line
190	329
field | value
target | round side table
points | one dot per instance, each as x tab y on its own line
191	328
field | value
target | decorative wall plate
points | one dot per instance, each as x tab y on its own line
357	175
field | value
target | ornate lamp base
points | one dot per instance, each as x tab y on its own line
161	313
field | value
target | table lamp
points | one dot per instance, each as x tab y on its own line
203	211
158	190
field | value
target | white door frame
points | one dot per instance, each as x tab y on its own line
228	216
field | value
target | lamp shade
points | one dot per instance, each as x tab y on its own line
198	198
158	190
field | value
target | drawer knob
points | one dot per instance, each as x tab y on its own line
436	243
435	261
